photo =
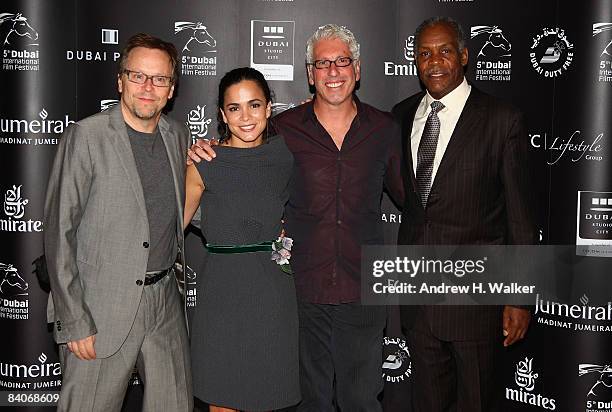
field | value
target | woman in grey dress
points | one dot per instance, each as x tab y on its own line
244	331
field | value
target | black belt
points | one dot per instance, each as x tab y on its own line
152	278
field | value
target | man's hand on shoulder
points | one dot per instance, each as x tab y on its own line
515	324
83	348
201	149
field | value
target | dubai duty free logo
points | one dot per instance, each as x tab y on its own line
551	52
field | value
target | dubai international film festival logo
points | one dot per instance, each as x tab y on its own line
110	37
199	49
599	397
397	366
407	68
272	48
594	224
605	60
18	38
14	210
552	53
493	59
525	379
14	303
198	122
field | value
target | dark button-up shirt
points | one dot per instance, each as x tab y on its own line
334	207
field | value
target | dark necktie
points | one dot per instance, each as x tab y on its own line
427	151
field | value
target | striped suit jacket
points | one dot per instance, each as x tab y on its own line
480	195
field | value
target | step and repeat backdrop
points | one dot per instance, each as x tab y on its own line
551	58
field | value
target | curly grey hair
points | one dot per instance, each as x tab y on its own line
332	31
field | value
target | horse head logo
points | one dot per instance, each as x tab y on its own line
199	35
496	45
18	28
12	283
603	383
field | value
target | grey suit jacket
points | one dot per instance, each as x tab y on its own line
96	228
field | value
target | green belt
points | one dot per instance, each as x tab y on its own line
257	247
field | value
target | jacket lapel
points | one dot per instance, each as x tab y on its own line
407	122
174	157
121	142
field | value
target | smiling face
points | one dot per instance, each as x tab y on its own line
246	113
334	85
142	104
439	60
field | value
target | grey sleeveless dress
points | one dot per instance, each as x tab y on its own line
244	330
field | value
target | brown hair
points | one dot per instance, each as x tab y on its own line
150	42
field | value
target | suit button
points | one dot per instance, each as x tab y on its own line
139	282
145	245
58	323
59	328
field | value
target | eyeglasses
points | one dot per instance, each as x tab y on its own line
326	64
141	78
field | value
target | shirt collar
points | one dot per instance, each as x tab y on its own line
453	100
310	114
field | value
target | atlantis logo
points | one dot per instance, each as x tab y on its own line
199	49
405	69
42	125
605	60
14	209
493	59
17	36
525	378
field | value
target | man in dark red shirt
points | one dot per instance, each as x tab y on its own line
345	153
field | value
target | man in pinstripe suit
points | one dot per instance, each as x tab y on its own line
475	192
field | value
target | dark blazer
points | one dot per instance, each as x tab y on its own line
480	195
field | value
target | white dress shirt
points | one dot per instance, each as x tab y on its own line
453	106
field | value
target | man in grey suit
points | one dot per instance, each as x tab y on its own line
113	229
